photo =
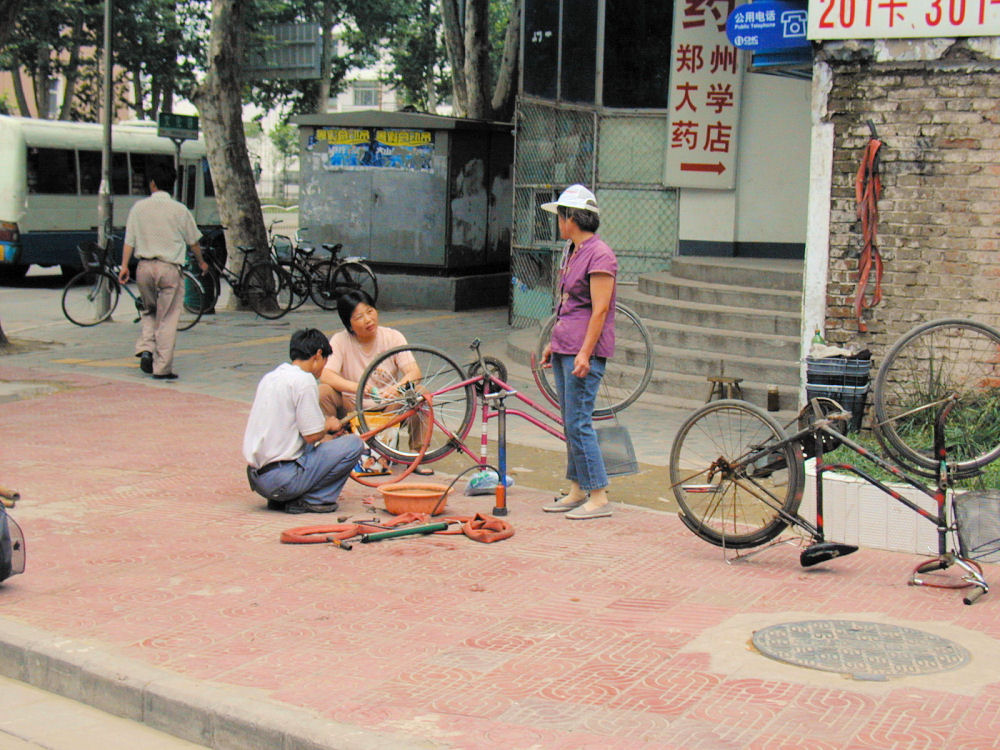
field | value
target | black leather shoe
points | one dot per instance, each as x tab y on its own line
166	376
301	506
146	362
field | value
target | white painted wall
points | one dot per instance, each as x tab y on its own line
770	202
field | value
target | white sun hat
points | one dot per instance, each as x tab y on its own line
575	196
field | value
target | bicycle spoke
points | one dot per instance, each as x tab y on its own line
752	481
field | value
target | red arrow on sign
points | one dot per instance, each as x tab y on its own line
718	167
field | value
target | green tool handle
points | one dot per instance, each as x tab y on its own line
427	529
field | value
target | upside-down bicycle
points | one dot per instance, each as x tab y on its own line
458	392
738	476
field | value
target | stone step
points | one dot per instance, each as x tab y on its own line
721	317
725	342
680	377
667	286
757	273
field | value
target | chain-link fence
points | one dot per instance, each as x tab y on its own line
621	156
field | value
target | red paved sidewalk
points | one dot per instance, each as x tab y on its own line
147	550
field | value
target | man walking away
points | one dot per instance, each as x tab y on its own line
159	230
291	458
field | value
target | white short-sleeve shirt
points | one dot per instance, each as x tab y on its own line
285	407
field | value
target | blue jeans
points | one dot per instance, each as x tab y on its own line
317	476
584	462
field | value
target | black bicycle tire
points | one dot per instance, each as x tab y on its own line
277	279
353	274
77	284
321	287
300	279
711	431
447	370
965	457
544	374
194	311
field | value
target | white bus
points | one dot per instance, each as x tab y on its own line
50	172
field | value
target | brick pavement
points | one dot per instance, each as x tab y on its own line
156	588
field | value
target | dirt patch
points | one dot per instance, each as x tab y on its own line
24	346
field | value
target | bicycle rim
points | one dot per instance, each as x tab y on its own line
300	284
922	369
732	490
90	297
627	373
195	300
321	287
439	376
348	276
268	291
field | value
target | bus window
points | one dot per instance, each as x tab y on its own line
119	174
192	181
52	170
141	164
90	172
209	185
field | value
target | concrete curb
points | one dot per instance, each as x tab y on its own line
218	717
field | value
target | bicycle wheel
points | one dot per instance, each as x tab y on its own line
929	364
734	486
90	297
627	373
195	300
350	275
268	290
300	280
439	376
321	286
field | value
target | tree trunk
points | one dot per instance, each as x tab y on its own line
221	109
138	92
71	73
41	84
4	341
502	103
326	64
477	59
454	39
22	100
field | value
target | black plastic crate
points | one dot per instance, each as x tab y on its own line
837	371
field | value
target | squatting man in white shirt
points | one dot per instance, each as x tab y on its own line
293	458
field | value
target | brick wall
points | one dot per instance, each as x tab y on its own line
939	218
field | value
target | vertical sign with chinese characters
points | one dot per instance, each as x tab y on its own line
706	77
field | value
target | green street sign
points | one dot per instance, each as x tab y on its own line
179	127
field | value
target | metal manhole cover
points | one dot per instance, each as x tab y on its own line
864	650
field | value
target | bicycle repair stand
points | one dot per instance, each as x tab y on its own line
499	397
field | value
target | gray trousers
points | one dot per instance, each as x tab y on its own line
317	476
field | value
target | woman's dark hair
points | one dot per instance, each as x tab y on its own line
348	302
306	342
588	221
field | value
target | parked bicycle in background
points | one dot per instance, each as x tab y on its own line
91	296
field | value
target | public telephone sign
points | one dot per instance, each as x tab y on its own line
902	19
768	26
177	127
706	79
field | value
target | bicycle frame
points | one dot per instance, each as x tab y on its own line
483	398
939	493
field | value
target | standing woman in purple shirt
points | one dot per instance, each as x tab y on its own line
582	340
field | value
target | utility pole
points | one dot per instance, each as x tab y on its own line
104	206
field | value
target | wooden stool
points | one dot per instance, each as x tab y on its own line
725	386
